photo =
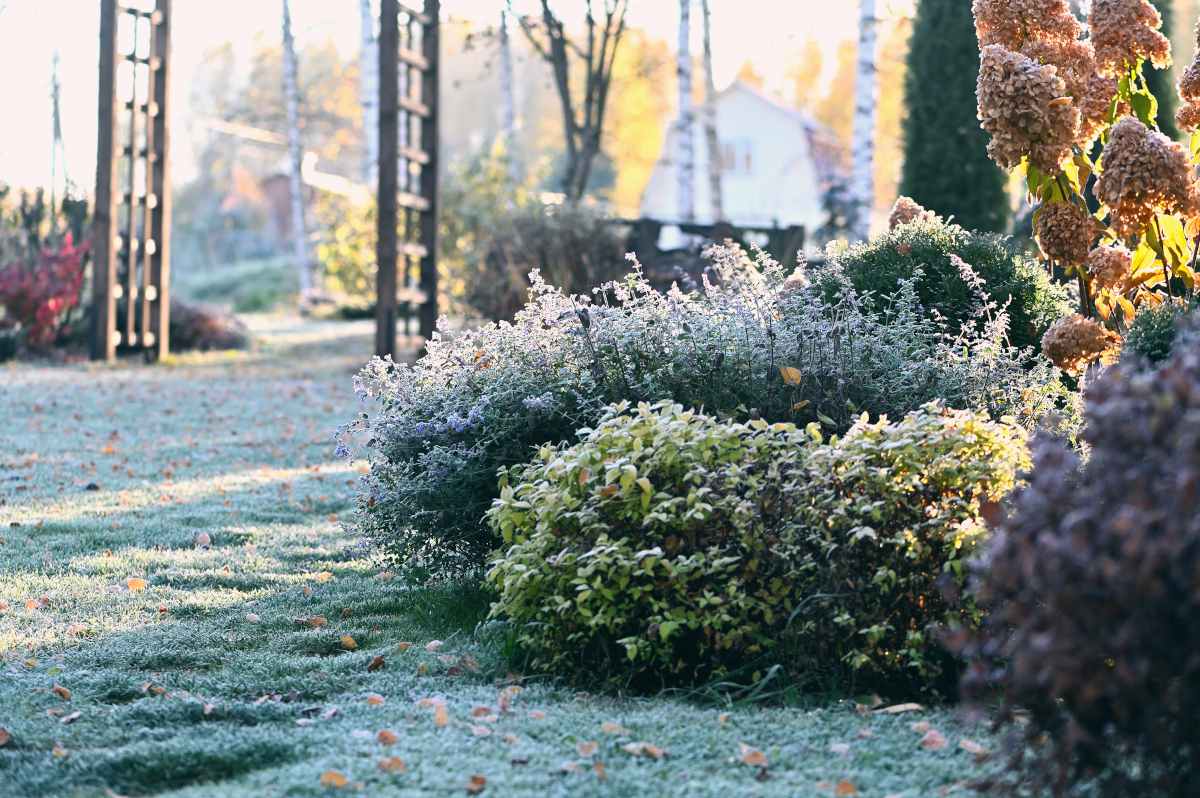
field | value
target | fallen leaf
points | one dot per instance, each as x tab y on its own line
346	613
203	541
751	756
375	664
537	714
972	747
897	709
586	748
61	692
791	376
392	764
208	709
349	643
334	778
480	731
723	718
476	784
845	788
405	646
387	737
59	752
598	769
375	700
4	736
252	617
433	646
480	711
440	716
135	584
66	720
608	727
3	606
569	767
324	576
315	622
330	713
933	740
644	749
920	727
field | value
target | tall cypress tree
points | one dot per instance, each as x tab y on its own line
946	167
1161	81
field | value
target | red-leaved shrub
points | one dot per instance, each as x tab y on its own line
40	295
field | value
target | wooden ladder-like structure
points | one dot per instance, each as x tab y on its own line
132	228
408	171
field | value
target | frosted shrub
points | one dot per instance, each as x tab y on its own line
755	342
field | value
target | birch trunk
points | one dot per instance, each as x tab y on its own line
863	147
295	155
508	102
686	156
712	140
369	90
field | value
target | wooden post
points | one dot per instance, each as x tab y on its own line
386	221
104	267
158	166
430	96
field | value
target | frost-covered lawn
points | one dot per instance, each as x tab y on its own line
226	672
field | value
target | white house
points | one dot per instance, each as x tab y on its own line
775	160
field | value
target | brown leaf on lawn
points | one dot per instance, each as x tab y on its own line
375	664
537	714
4	736
323	576
203	540
348	643
723	718
933	740
897	709
59	752
61	692
751	756
405	646
644	749
480	731
315	622
586	748
252	617
480	711
598	769
476	784
433	646
66	720
440	716
3	606
507	696
375	700
392	764
845	788
334	778
387	737
920	727
972	747
135	584
608	727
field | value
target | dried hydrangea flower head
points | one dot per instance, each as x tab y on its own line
1188	115
1065	232
1093	93
1013	23
1075	342
1126	31
906	210
1025	109
796	282
1144	173
1107	267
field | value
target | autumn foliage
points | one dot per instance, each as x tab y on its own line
40	295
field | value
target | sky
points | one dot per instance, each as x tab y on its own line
770	32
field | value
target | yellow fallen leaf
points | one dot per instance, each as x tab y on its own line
608	727
59	752
349	643
440	716
791	376
135	584
387	737
433	646
334	778
933	740
323	576
61	692
751	756
374	700
845	788
587	748
392	764
476	784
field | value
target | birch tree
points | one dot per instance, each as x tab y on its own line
295	155
685	157
508	101
863	144
712	141
369	90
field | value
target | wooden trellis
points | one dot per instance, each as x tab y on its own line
408	167
132	231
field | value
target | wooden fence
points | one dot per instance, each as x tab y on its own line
408	168
132	228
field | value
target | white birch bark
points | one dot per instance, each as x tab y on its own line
295	155
508	102
712	140
369	90
863	144
685	158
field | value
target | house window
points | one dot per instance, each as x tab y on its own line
737	157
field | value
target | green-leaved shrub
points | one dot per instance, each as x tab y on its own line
754	343
920	249
667	546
